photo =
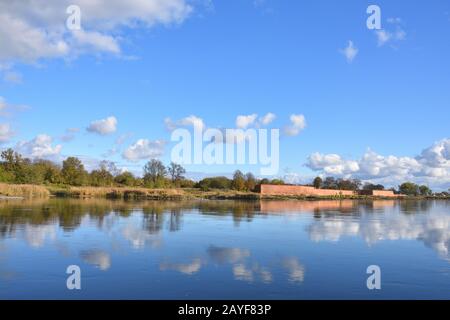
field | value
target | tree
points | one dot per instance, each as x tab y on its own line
348	184
250	181
73	172
425	191
409	188
126	179
176	172
277	182
238	181
371	187
154	173
317	183
330	183
51	173
103	177
12	165
215	183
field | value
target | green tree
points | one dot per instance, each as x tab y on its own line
317	183
238	181
154	173
409	188
126	179
73	172
102	177
348	184
330	183
51	173
12	163
214	183
371	187
277	182
425	191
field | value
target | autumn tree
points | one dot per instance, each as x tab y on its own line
154	173
238	181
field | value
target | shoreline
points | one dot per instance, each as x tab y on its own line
20	192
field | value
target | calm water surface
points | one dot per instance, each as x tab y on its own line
224	249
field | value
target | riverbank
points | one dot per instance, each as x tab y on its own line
12	191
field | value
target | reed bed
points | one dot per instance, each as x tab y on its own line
23	190
120	193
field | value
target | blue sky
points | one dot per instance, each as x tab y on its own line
217	60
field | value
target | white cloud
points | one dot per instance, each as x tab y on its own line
267	119
5	133
95	41
39	147
432	166
35	29
350	52
104	126
191	121
298	123
243	122
385	36
332	164
144	149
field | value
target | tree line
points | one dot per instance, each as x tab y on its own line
14	168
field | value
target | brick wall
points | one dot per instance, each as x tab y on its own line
272	190
378	193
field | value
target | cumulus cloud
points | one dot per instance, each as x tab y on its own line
190	121
40	147
35	29
432	166
144	149
104	126
298	123
267	119
350	52
243	122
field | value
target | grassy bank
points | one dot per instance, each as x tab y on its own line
118	193
36	191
